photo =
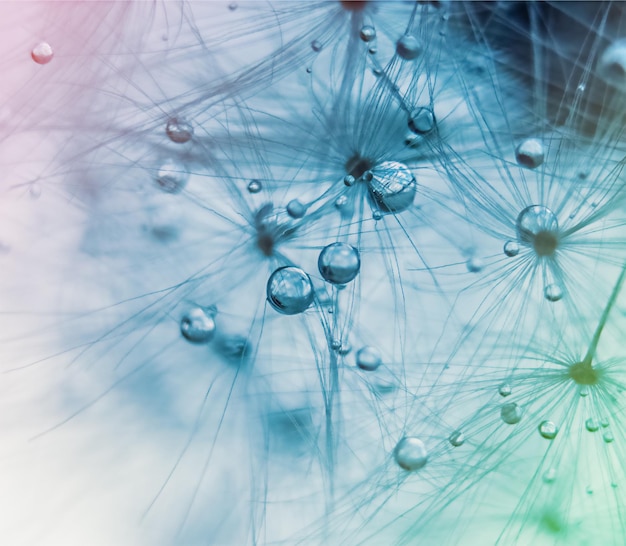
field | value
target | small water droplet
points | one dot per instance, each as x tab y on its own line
341	201
410	453
548	430
608	436
474	265
408	47
296	209
309	70
349	180
511	413
367	33
393	186
584	391
335	344
289	290
372	50
255	186
316	45
505	390
172	176
339	263
197	325
178	130
344	349
553	292
549	475
511	249
42	53
232	6
368	358
377	215
591	425
538	228
422	121
457	438
529	153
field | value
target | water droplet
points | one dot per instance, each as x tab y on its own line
289	290
457	438
309	70
422	120
255	186
178	130
344	349
505	390
234	346
591	425
377	215
410	453
474	265
608	436
538	227
553	292
511	249
335	344
316	45
349	180
393	186
589	490
529	153
172	176
612	64
604	422
548	430
197	325
341	201
367	33
339	263
372	51
368	358
511	413
232	6
296	209
549	475
42	53
408	47
584	391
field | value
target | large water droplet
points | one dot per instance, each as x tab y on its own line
538	227
457	438
289	290
42	53
368	358
197	325
548	430
529	153
408	47
339	263
178	130
410	453
612	64
172	176
511	413
296	209
392	186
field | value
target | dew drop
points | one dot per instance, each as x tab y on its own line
197	325
548	430
367	33
538	227
608	437
511	249
42	53
344	349
232	6
410	453
553	292
255	186
549	475
296	209
316	45
474	265
457	438
422	121
612	64
289	290
368	358
178	130
591	425
408	47
309	70
339	263
584	391
172	176
511	413
234	346
529	153
393	186
349	180
505	390
335	345
377	215
341	201
604	422
372	51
